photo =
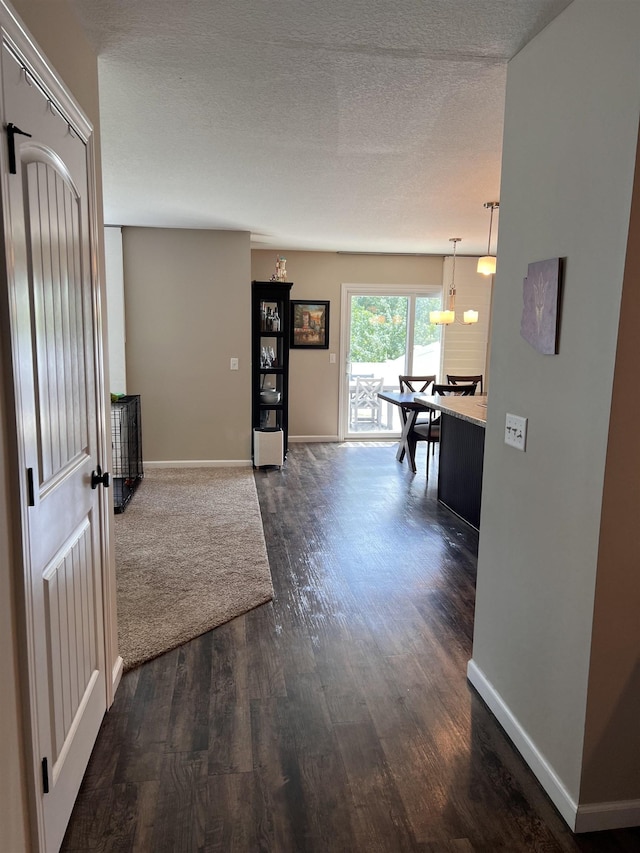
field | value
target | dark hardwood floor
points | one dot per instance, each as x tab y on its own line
337	718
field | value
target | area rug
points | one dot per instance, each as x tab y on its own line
190	555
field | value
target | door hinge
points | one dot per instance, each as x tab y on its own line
45	776
30	493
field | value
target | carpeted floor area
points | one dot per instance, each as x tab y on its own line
190	555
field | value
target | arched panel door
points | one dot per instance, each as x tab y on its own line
53	331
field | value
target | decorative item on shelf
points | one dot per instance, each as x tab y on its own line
447	316
487	264
281	269
266	357
269	318
269	396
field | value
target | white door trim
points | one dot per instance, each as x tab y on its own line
40	73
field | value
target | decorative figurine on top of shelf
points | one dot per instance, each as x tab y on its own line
281	269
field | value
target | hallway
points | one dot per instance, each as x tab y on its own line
338	718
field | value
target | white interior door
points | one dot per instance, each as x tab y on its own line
53	339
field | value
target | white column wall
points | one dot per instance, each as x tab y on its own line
114	280
571	125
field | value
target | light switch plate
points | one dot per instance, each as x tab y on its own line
515	432
233	364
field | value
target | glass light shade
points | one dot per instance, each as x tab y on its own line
470	317
442	318
487	265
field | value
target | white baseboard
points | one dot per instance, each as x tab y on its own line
199	463
308	439
236	463
523	743
116	674
592	817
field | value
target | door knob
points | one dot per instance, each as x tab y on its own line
99	479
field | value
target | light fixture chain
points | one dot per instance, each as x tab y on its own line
445	318
492	206
452	288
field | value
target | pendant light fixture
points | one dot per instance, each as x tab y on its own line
487	264
447	316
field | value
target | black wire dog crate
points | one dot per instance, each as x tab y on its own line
126	443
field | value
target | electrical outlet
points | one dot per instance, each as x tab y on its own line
233	364
515	431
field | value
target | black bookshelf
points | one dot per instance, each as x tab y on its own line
270	318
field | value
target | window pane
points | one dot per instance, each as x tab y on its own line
426	338
378	343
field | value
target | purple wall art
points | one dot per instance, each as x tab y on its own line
541	309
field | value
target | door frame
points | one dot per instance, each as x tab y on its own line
40	73
347	291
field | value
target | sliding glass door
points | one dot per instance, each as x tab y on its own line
386	333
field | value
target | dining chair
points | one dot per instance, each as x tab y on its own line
416	384
456	380
365	399
430	432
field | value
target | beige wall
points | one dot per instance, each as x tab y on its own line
314	381
55	28
571	131
188	310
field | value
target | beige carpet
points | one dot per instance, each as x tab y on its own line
190	555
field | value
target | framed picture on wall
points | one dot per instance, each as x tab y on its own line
310	324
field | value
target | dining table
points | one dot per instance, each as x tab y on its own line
410	403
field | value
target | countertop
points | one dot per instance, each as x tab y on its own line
471	409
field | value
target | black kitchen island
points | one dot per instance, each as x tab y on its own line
462	431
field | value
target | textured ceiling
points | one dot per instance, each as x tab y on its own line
341	125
